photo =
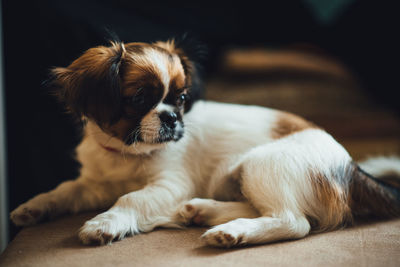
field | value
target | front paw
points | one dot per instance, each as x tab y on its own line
28	214
107	227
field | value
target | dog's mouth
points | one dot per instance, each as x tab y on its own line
156	135
167	134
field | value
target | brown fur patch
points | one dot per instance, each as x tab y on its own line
348	192
177	84
121	129
331	208
90	85
288	123
184	60
138	77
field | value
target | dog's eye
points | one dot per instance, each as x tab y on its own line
181	99
137	99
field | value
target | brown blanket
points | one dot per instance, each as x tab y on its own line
56	244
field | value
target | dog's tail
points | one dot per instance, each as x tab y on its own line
375	188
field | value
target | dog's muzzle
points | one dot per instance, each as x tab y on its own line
171	127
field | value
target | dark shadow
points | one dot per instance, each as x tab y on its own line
72	241
211	251
364	222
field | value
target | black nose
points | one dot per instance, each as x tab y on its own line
169	118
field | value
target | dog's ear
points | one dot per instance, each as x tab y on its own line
192	54
91	85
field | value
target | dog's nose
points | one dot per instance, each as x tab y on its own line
169	118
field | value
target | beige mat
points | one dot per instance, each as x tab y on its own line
56	244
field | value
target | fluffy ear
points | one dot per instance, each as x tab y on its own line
91	85
192	54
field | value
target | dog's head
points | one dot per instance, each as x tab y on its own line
135	92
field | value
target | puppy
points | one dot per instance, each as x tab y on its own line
157	156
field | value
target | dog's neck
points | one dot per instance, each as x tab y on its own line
116	146
110	149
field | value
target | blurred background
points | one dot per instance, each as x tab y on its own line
334	62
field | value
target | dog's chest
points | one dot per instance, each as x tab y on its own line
104	166
123	170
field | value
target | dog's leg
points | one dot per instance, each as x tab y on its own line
139	211
68	197
289	180
209	212
257	231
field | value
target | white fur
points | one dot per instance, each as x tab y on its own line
159	64
164	107
154	184
379	166
257	231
